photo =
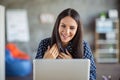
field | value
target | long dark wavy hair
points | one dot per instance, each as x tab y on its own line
77	41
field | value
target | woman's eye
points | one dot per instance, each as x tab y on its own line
72	27
63	26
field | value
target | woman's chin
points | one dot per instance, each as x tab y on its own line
65	41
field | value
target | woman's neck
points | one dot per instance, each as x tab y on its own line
64	45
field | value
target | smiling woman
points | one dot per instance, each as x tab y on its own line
66	41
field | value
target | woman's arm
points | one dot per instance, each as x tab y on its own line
43	45
41	50
88	54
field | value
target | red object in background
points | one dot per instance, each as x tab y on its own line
16	53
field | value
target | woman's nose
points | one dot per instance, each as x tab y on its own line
67	31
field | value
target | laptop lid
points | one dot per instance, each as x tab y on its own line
61	69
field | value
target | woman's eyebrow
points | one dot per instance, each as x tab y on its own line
72	26
63	23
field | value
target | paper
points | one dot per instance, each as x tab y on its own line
17	25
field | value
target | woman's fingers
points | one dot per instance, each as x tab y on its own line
60	56
48	48
51	53
52	48
65	56
54	51
68	53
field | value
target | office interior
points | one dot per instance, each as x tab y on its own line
39	17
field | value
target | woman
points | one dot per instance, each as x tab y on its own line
67	41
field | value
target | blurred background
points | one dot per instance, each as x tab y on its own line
25	23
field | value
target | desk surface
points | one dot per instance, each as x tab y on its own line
29	77
102	69
108	69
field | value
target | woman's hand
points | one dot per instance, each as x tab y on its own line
51	53
65	56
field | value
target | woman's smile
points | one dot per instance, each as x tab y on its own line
65	37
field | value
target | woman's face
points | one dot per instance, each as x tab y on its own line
67	29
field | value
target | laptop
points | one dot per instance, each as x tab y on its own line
61	69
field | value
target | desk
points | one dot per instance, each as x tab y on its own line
102	69
108	69
29	77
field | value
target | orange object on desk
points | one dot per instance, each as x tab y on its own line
16	53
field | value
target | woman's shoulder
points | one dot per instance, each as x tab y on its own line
46	41
87	49
85	43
